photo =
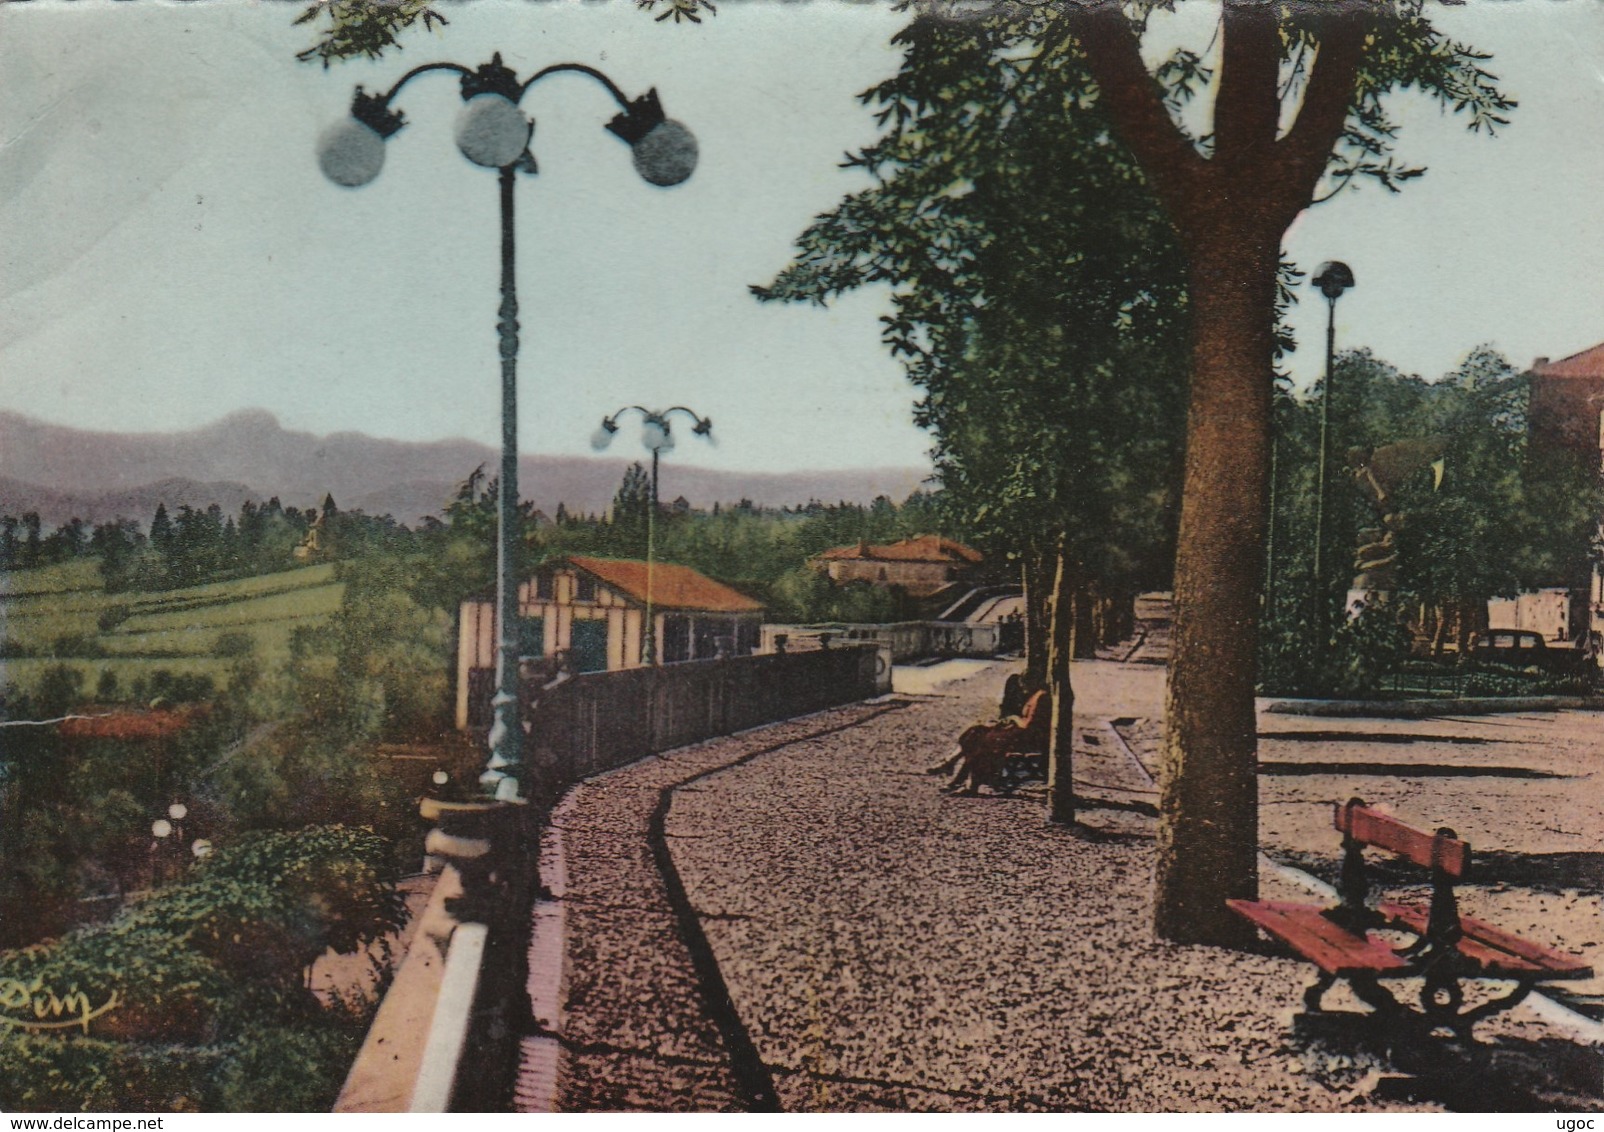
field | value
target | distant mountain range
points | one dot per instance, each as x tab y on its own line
65	472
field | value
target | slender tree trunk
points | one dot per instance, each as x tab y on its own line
1061	743
1110	622
1208	832
1472	618
1127	615
1038	592
1083	644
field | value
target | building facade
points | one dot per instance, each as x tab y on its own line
1567	412
1567	405
920	565
595	610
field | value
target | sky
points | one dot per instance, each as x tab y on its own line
171	252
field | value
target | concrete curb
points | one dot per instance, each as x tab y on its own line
1425	709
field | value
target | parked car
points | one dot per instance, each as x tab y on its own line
1521	648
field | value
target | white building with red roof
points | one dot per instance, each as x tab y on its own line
920	565
596	609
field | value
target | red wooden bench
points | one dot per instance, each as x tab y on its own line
1446	948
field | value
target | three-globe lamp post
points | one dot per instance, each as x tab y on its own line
172	826
494	133
658	437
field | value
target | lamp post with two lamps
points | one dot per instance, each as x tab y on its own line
494	133
658	436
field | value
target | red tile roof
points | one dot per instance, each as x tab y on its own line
156	723
1588	363
924	548
672	587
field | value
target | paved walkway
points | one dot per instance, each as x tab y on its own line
876	945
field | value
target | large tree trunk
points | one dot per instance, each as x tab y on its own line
1208	832
1061	743
1230	210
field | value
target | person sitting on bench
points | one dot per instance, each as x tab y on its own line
984	748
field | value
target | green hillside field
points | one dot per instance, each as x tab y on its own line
62	614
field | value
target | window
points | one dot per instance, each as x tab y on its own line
531	637
586	588
545	586
676	643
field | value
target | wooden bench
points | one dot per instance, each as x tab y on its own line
1446	949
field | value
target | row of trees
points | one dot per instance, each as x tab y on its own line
183	548
760	550
1059	101
1040	309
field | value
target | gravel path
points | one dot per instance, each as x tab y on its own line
639	1032
891	948
886	947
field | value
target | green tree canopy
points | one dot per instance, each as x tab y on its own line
1038	297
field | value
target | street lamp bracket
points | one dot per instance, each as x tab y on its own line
493	77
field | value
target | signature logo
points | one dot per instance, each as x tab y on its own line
50	1010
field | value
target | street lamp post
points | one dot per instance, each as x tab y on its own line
1333	278
169	840
658	437
494	133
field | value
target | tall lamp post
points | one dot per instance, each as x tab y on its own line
1333	278
494	133
658	437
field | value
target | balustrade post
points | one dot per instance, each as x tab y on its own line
494	849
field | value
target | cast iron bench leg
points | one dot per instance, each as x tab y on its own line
1374	995
1317	991
1463	1022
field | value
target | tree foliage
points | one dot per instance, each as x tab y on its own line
1038	298
350	29
208	978
1290	107
1493	518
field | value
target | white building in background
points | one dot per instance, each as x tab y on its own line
595	610
1546	611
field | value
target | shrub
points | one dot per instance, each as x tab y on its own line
165	990
212	1013
265	907
285	1069
233	643
78	1074
68	646
1364	650
112	616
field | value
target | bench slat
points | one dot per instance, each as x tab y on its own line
1385	832
1497	951
1331	947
